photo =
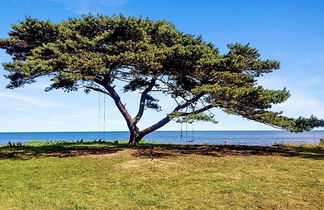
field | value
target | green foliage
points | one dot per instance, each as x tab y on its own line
177	116
93	52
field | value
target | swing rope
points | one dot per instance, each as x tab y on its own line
104	116
102	110
186	131
192	131
99	113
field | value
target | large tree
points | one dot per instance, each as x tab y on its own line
94	52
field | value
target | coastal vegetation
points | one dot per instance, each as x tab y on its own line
108	54
110	175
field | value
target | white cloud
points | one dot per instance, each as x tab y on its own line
9	98
313	81
301	105
86	6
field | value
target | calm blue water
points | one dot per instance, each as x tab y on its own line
196	137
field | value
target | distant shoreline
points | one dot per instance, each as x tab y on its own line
245	137
155	131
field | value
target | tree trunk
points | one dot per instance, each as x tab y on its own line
132	142
134	136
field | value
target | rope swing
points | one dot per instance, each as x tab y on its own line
192	139
99	114
102	117
186	136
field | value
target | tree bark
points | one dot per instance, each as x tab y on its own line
133	142
154	127
121	107
143	100
134	136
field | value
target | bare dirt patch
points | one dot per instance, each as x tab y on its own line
157	151
171	150
124	152
213	150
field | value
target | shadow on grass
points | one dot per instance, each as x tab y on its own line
235	150
58	149
152	150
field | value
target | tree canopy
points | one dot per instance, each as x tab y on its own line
93	52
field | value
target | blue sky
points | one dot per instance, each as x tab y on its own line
290	31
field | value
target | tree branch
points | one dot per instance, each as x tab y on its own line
97	89
121	107
197	111
191	101
167	119
142	101
154	127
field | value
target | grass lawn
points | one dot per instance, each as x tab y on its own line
92	175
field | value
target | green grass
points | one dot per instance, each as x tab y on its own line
52	175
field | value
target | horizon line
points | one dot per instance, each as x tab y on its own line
128	131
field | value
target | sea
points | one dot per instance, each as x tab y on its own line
185	137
